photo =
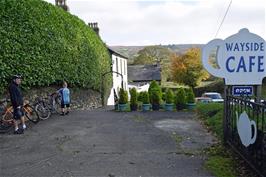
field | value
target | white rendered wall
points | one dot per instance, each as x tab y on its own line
117	80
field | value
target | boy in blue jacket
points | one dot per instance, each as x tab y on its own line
65	99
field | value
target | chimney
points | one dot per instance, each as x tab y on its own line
95	27
62	4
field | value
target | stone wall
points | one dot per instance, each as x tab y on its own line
82	99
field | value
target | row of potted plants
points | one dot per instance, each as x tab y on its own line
154	99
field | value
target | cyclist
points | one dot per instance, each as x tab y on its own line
17	103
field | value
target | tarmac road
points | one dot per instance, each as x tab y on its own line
109	144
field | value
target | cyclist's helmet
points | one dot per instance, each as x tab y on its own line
17	76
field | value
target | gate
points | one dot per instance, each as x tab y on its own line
245	130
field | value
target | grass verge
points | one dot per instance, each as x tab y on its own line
220	160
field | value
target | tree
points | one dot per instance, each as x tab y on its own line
187	68
152	55
156	55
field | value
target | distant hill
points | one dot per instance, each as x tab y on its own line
132	51
182	48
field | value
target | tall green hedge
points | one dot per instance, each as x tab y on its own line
46	45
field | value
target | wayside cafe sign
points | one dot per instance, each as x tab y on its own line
240	58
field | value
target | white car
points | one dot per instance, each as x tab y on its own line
215	97
203	100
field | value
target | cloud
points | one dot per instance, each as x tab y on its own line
132	22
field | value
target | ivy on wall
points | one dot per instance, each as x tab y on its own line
47	45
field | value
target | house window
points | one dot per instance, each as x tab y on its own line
116	66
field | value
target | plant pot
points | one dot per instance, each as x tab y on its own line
169	107
134	107
122	107
180	107
146	107
191	106
155	107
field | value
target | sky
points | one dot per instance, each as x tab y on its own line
153	22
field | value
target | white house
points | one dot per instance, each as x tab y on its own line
119	68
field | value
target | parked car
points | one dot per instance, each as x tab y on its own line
203	99
214	96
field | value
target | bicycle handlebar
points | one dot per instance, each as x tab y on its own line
52	94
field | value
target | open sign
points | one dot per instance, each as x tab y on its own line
242	90
240	57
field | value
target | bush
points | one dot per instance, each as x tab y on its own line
180	97
154	86
46	45
169	96
140	96
133	96
163	96
155	93
190	96
145	98
123	96
155	97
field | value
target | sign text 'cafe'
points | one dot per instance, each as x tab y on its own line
240	58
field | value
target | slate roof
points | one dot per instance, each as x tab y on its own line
140	73
111	51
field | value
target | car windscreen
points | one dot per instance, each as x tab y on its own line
213	96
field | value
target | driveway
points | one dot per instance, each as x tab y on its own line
109	144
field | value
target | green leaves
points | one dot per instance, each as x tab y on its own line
123	96
133	96
187	68
47	44
190	96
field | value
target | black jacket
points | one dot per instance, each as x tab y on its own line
15	95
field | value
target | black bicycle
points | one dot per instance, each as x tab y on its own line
47	106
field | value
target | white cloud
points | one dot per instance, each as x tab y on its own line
130	22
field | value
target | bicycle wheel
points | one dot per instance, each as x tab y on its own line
43	110
57	104
8	115
31	113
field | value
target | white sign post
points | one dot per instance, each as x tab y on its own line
241	58
241	61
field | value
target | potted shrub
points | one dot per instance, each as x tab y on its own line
169	100
145	101
180	99
155	99
140	97
123	99
164	96
190	99
133	99
155	86
155	93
